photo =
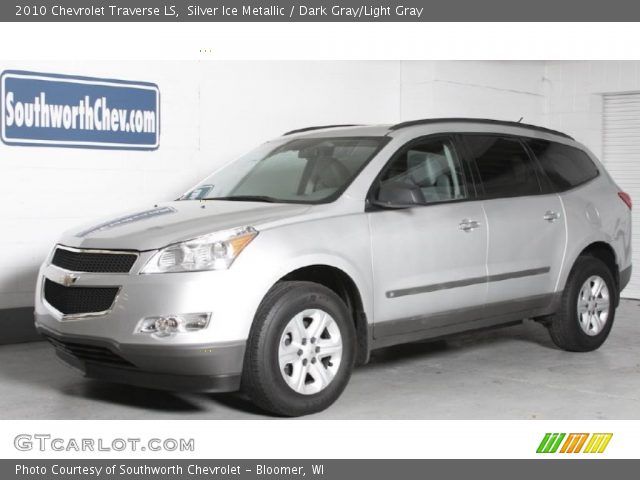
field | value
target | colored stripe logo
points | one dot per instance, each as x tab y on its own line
574	443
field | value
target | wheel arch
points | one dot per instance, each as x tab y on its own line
603	251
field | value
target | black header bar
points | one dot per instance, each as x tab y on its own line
319	11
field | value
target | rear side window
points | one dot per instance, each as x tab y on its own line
567	167
505	167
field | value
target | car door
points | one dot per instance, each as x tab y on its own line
429	261
527	234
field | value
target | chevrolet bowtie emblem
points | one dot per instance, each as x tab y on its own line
68	279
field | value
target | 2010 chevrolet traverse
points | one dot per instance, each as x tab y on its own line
280	272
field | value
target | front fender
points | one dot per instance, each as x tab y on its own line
341	243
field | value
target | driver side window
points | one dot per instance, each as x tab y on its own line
433	167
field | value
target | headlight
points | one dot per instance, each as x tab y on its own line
215	251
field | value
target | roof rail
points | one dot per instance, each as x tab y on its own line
487	121
320	127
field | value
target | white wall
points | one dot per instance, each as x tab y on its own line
575	89
44	191
490	89
214	111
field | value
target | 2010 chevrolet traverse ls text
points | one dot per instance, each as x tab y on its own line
280	272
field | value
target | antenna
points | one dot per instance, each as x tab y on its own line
519	121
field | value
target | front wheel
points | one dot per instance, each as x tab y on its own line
587	309
300	351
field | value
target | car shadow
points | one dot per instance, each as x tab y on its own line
238	401
68	383
163	400
134	397
528	332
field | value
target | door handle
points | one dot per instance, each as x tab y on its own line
468	225
551	216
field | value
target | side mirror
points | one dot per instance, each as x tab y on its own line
398	195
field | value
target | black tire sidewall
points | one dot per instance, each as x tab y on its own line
281	398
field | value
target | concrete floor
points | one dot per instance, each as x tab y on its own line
512	373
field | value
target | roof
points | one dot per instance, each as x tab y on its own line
484	121
380	130
320	127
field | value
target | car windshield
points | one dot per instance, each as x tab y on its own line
309	170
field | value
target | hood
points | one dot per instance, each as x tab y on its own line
172	222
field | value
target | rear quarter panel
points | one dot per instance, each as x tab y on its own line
595	213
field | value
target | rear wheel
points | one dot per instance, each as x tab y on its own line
587	308
301	350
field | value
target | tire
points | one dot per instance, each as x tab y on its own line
566	327
269	380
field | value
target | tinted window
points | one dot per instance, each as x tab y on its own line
566	166
433	166
304	170
278	175
505	168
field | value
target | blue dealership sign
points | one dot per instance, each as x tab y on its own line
43	109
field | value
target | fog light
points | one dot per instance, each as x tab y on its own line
166	325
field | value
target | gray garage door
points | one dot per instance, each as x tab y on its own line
621	155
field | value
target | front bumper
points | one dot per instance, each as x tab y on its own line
203	368
230	296
106	344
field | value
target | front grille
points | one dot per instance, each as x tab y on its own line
94	262
89	353
75	300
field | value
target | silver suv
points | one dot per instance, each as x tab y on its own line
281	271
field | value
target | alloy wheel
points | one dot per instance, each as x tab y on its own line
310	351
593	305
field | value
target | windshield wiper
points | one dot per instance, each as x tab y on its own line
247	198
